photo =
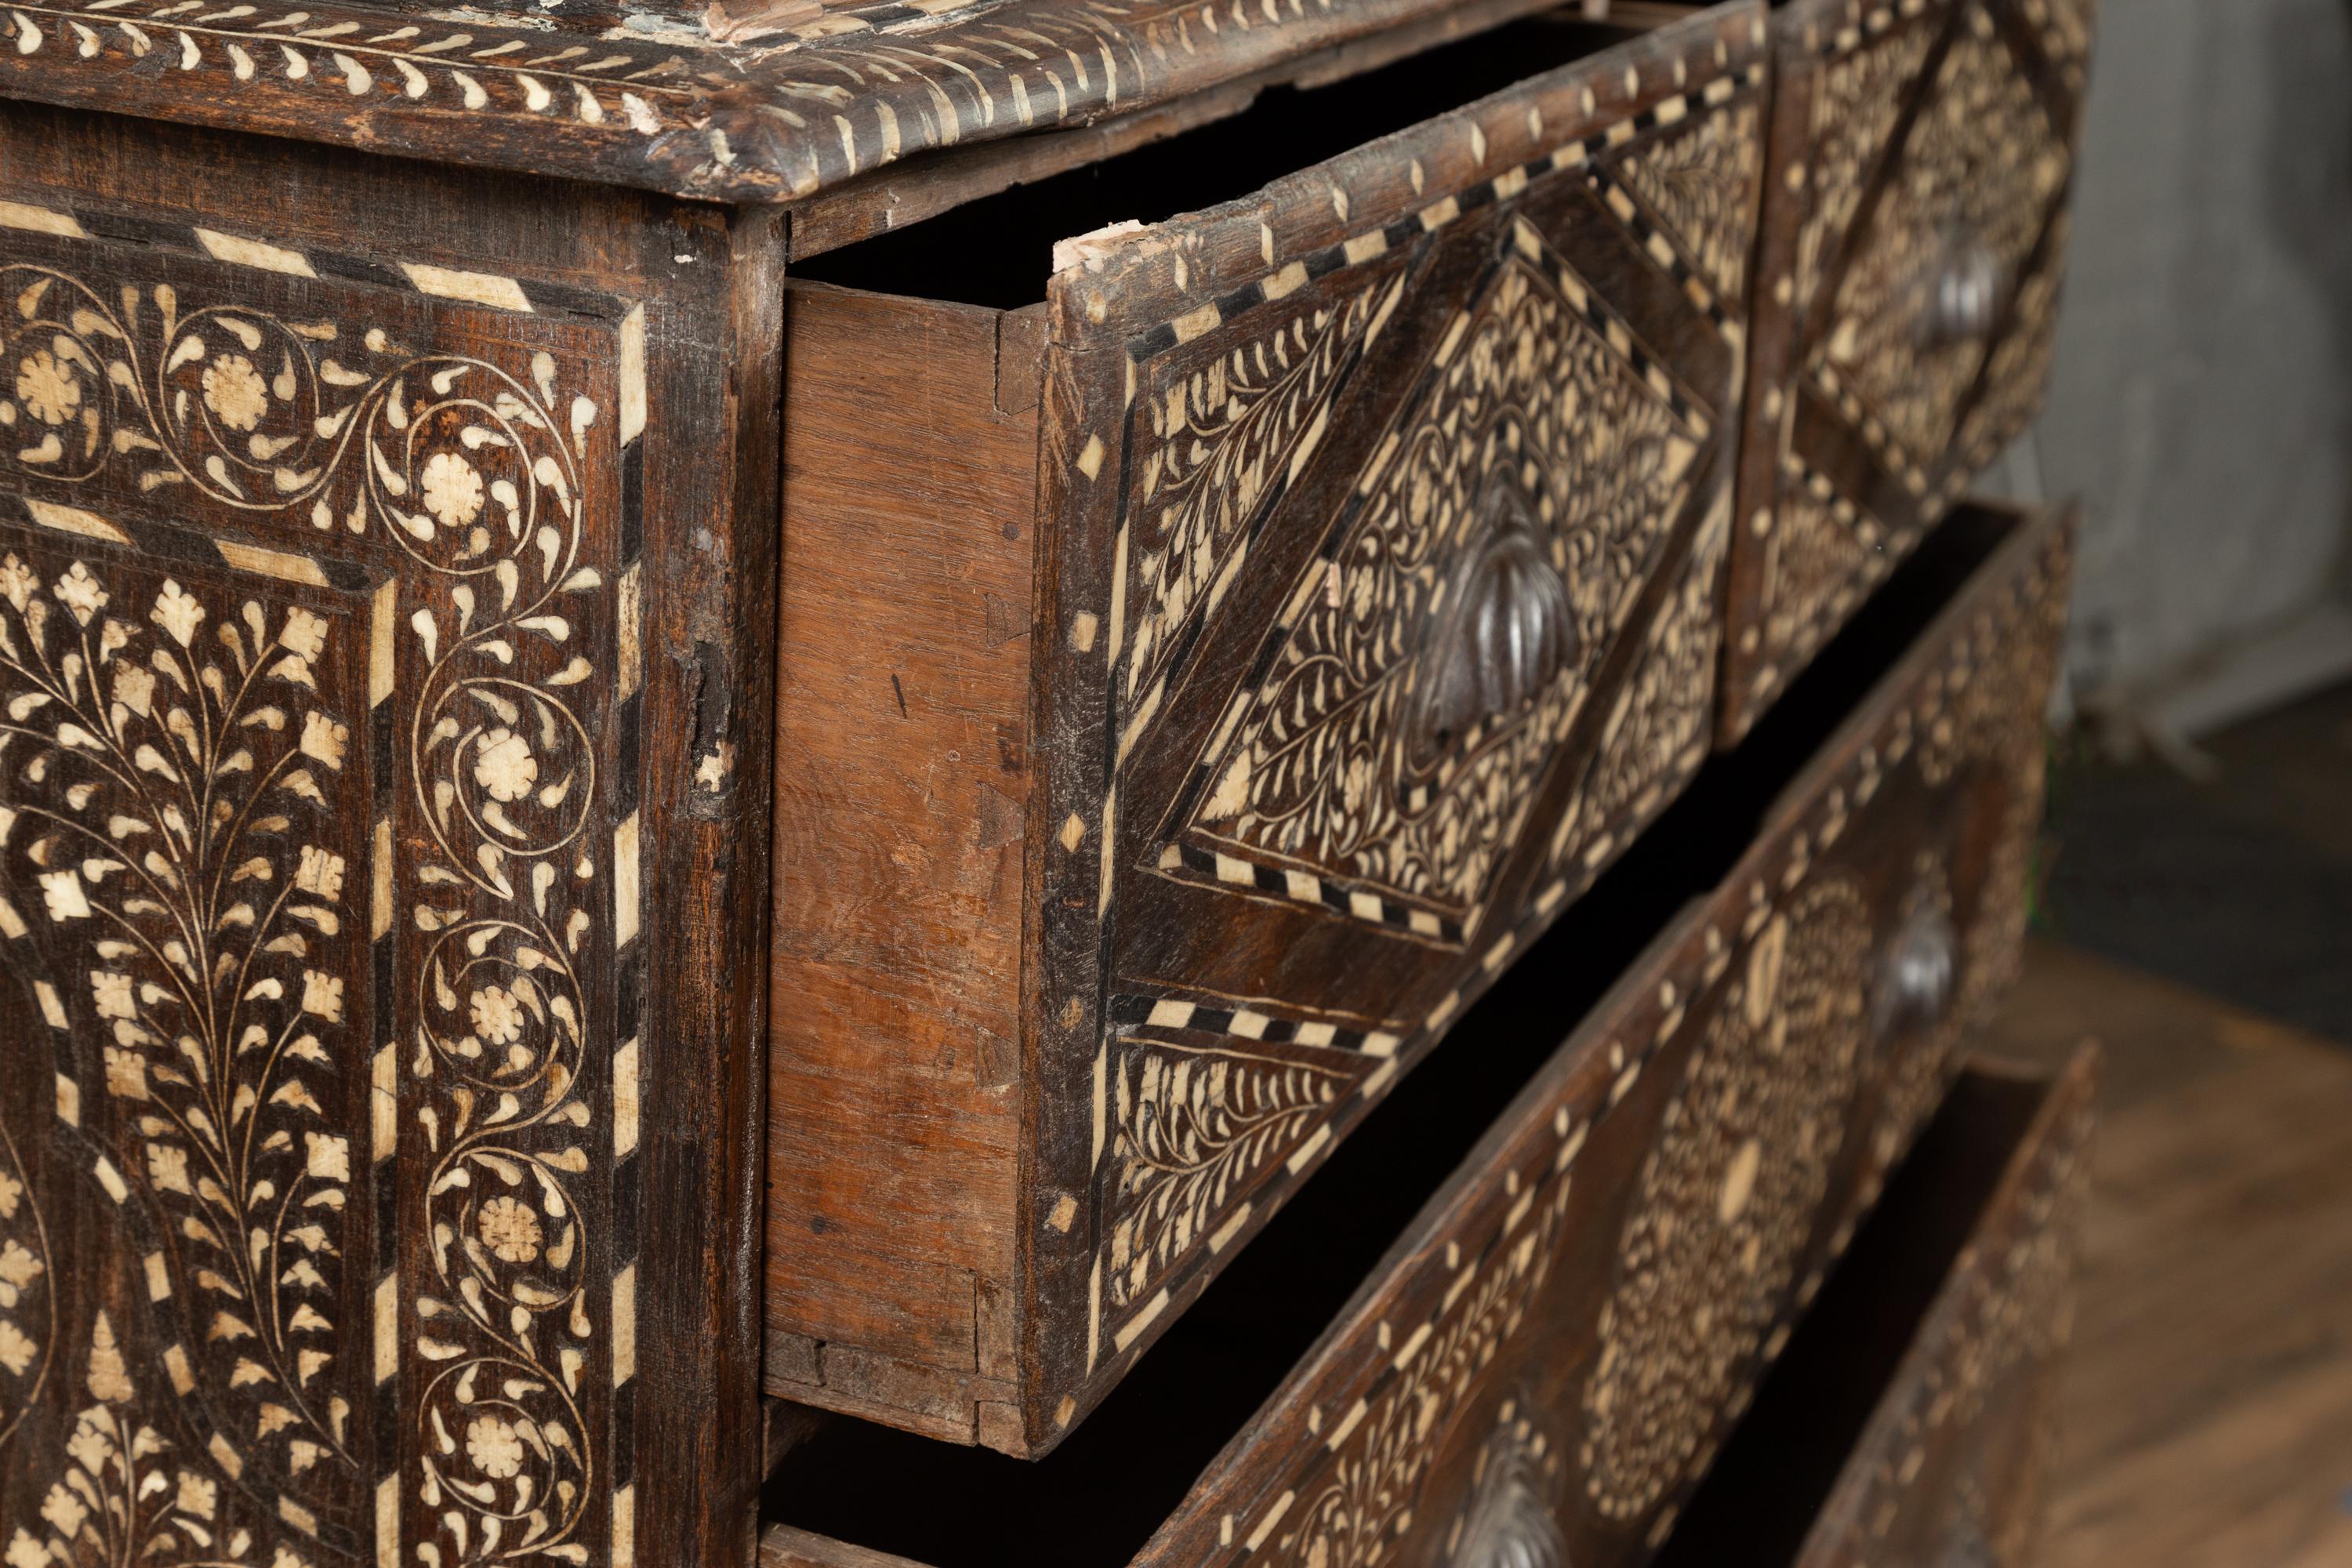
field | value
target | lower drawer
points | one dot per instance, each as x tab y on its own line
1542	1365
1911	1420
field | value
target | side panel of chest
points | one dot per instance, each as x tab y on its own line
331	820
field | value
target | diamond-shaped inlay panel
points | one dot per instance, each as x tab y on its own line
1431	661
1946	244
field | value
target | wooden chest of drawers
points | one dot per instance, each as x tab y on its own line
1546	1362
599	842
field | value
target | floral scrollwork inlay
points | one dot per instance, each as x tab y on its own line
1525	495
456	458
502	764
177	770
240	780
1701	182
1222	437
1658	732
25	1292
123	1492
1856	105
1978	174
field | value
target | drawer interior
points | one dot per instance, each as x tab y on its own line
998	251
1770	1483
1112	1484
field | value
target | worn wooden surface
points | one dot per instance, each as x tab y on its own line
2209	1404
1307	462
897	195
902	765
386	560
1906	294
769	102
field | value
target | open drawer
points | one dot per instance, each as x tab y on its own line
1912	1418
1207	662
1544	1356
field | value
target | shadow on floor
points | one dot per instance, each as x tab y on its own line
2240	886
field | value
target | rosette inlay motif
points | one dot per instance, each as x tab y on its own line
1725	1203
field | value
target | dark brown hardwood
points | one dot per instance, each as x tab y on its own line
385	813
588	833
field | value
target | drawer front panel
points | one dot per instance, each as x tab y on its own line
1388	512
1915	239
1551	1356
1952	1469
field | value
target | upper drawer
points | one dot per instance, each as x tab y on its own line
1907	289
1913	1418
1197	685
1540	1365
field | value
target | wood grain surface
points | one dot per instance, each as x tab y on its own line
2208	1408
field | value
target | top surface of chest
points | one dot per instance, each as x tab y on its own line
746	100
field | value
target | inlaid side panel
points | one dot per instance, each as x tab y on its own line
1912	249
322	898
1393	505
1551	1356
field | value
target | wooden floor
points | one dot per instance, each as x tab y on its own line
2209	1410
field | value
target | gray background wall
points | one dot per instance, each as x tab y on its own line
2202	399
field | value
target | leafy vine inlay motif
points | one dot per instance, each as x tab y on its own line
1859	98
1979	172
1702	184
1375	1482
195	775
120	1498
25	1317
1535	421
1658	730
1195	1129
461	461
1226	435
